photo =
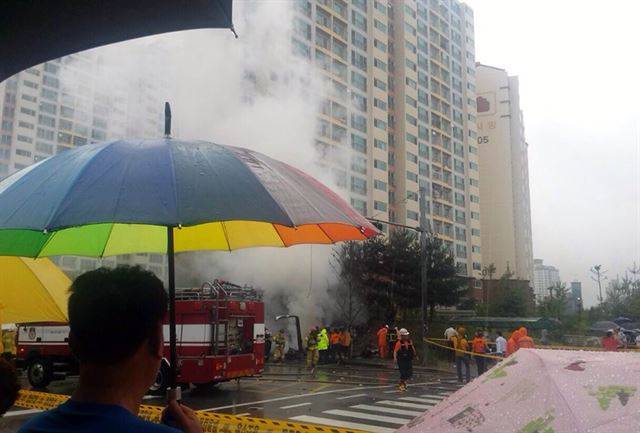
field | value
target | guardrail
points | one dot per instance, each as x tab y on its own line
211	422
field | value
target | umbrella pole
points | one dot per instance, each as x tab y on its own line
173	355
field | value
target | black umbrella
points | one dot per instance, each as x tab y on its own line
34	31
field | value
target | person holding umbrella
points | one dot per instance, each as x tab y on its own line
403	354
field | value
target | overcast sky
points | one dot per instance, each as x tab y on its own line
579	86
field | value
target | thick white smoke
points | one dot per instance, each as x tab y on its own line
250	92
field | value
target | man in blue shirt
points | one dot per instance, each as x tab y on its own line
115	319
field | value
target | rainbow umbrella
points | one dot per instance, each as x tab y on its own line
167	196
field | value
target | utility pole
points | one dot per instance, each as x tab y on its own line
424	227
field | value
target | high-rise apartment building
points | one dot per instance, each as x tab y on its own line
402	114
73	101
544	276
504	175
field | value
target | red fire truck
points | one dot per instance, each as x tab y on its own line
220	336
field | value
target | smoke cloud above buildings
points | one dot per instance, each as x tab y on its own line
249	92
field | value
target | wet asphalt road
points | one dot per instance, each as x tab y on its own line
359	397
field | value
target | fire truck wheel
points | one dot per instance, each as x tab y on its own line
159	387
39	372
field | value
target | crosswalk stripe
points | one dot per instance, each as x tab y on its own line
437	397
404	404
344	424
351	396
368	416
430	401
291	406
386	409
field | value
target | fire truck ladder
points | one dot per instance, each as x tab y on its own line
220	296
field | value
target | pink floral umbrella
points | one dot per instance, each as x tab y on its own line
544	391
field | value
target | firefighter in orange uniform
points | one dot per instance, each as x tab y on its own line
382	341
512	342
334	344
525	342
403	354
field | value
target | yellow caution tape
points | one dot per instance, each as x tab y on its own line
483	355
211	422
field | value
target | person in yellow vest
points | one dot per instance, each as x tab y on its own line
323	345
462	356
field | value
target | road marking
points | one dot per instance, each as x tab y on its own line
434	396
391	392
386	409
242	414
403	404
353	396
368	416
291	406
305	395
430	401
22	412
343	424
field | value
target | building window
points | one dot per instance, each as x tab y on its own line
380	124
477	266
25	139
358	40
379	103
412	157
380	84
380	64
379	205
359	122
473	165
380	45
359	205
359	81
380	26
358	185
380	165
474	182
359	61
412	215
475	215
49	94
411	138
475	232
359	164
475	249
474	199
48	107
359	101
358	143
359	20
461	251
380	185
379	144
46	121
22	152
412	195
412	176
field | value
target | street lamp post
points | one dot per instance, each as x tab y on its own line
424	226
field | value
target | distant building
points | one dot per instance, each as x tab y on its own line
544	276
575	302
491	291
73	101
402	113
505	230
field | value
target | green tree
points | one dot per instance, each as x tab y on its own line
512	299
555	305
385	273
